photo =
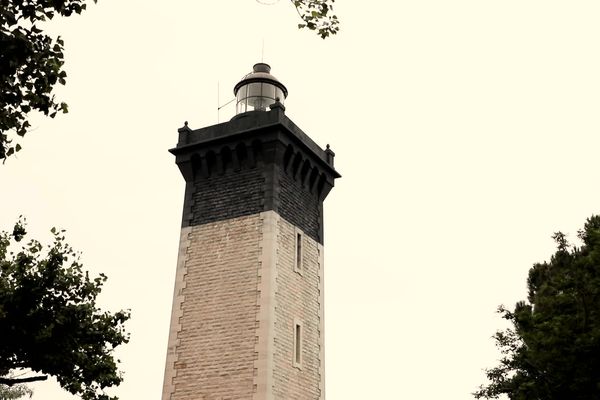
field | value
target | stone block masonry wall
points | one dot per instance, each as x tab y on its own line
214	357
229	195
237	298
176	313
234	190
300	207
297	297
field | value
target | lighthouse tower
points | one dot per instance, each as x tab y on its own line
247	319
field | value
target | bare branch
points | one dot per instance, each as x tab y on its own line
15	381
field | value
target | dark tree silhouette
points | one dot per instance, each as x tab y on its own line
552	350
49	320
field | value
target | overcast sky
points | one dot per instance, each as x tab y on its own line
466	132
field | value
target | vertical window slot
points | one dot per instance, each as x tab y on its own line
297	344
299	252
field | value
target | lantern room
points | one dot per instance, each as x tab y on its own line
258	90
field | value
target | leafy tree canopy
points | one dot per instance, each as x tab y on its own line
49	320
317	16
552	350
30	65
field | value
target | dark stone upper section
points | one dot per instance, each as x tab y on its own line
300	207
258	161
227	196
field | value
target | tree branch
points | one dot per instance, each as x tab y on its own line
297	9
15	381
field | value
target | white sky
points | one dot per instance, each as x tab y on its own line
466	132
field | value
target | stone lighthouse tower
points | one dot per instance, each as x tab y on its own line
247	319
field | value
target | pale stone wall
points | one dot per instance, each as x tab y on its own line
176	312
266	317
236	299
298	297
213	355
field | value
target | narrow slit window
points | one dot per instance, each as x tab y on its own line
298	263
297	344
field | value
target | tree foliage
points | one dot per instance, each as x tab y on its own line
317	15
49	321
14	392
552	350
30	65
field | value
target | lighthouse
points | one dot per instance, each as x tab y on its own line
247	318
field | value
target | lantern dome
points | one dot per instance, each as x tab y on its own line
258	90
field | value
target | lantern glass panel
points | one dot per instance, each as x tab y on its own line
241	107
257	103
269	91
241	94
257	96
254	89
